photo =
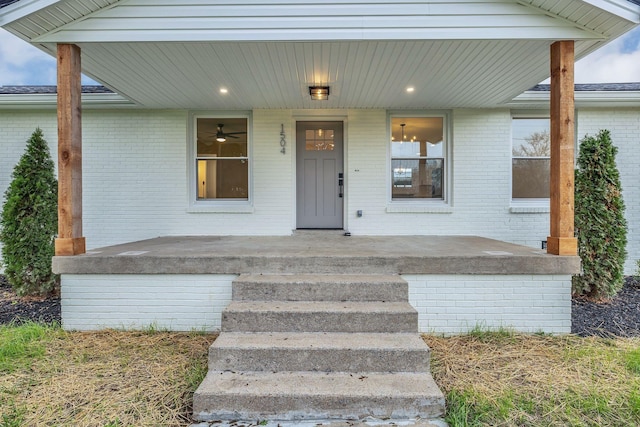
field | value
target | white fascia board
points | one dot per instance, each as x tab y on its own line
622	8
50	101
535	99
18	10
277	35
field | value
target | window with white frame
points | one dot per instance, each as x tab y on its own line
530	164
417	158
221	158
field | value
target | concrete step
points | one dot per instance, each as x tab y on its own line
319	351
316	396
319	316
320	287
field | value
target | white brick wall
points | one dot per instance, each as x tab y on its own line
453	304
446	304
16	128
366	173
481	193
182	302
136	175
136	179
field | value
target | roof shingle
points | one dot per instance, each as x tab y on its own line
4	3
594	87
43	90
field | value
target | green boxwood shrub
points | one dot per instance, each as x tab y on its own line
601	227
29	221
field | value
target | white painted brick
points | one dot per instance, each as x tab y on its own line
458	303
177	302
135	180
135	174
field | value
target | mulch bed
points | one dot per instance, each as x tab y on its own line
619	317
20	310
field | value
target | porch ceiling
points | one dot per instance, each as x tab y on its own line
361	74
163	54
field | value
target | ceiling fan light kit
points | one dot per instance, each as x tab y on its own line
221	135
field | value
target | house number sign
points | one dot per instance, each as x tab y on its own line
283	141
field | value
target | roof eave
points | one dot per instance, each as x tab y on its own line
22	8
622	8
539	99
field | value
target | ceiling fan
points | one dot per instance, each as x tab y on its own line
221	136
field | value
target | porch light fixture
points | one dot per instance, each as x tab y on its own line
319	93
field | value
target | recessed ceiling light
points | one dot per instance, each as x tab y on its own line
410	89
224	90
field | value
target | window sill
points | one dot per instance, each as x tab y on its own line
529	207
245	208
434	208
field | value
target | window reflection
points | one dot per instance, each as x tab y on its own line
417	158
530	164
222	162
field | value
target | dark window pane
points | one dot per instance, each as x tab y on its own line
223	179
417	178
222	137
530	178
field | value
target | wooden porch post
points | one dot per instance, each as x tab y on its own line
562	240
70	240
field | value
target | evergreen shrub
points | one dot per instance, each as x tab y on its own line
29	221
601	227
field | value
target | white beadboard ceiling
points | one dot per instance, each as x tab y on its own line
167	54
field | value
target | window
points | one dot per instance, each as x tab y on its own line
319	140
221	158
417	158
531	148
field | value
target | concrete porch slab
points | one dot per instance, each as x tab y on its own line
317	252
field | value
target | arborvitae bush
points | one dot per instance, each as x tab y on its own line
29	221
600	224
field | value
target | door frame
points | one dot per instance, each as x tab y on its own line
294	163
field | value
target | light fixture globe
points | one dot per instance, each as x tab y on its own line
319	93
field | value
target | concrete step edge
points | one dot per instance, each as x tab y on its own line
325	352
321	306
318	287
320	340
313	395
296	279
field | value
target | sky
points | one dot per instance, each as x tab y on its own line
617	62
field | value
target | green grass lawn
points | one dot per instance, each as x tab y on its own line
114	378
49	377
506	379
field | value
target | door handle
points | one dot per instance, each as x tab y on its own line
341	184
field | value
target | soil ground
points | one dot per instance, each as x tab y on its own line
20	310
619	317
